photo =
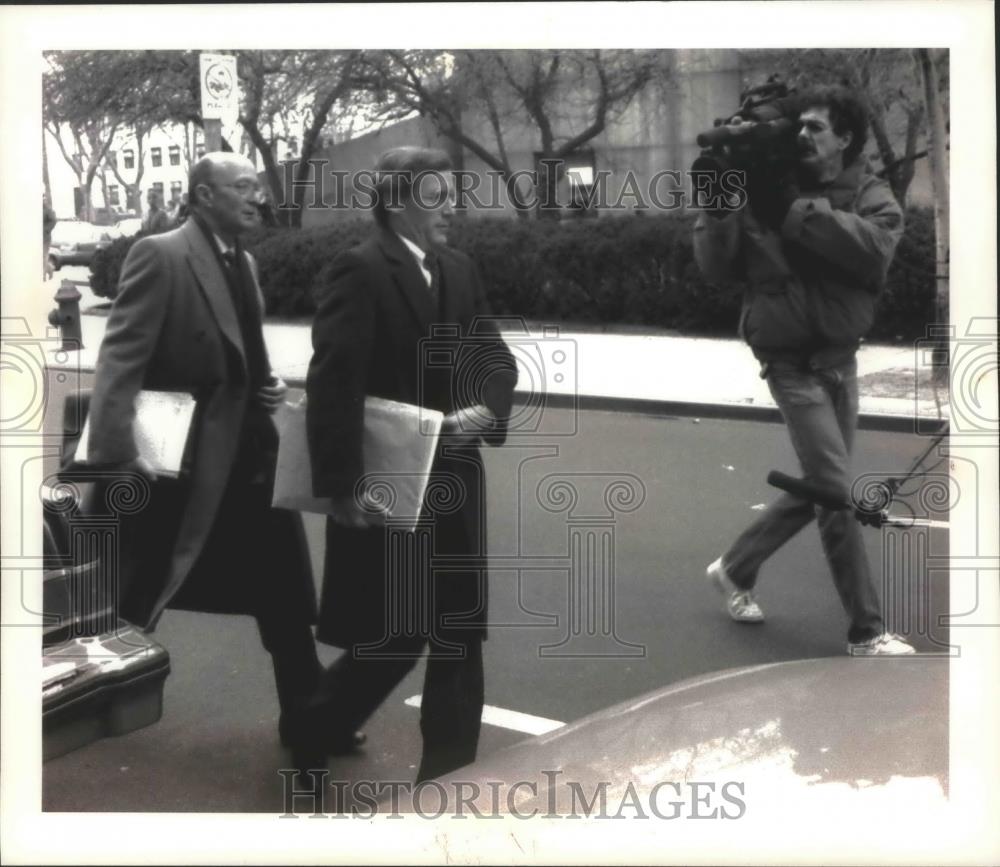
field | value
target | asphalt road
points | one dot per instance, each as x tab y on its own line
695	484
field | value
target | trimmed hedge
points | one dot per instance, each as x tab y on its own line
106	266
625	271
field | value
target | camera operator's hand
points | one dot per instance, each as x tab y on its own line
770	203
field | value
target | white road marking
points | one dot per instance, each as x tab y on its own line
508	719
905	523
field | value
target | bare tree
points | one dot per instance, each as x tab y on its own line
306	84
562	99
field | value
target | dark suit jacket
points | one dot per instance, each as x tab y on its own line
377	333
173	327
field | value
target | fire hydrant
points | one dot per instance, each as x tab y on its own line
66	317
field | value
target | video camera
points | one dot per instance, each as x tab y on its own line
760	139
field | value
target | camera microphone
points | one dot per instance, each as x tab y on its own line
821	495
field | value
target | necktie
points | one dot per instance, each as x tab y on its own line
432	264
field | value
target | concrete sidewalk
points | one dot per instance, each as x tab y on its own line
639	372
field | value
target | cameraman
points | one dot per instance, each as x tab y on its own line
814	248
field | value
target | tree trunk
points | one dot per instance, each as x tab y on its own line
284	206
547	189
938	156
298	193
513	196
45	170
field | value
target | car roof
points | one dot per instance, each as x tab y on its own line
817	729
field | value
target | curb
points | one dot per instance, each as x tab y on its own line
869	421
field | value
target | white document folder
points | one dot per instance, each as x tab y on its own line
399	444
161	428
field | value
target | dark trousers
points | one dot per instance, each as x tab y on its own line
293	655
253	563
252	554
820	408
451	708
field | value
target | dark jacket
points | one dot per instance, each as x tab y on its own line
813	284
376	332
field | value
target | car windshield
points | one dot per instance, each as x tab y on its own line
75	232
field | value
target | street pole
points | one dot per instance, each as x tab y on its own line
213	135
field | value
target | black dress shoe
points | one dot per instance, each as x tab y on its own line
299	732
345	745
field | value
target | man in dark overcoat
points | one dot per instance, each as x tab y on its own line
188	318
403	317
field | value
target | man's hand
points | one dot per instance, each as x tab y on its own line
272	395
468	424
348	512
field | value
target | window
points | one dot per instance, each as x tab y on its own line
158	186
113	199
574	182
200	151
156	154
129	156
113	159
78	162
175	190
175	155
580	176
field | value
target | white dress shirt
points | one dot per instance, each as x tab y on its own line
419	255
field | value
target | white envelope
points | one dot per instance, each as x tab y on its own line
399	444
161	428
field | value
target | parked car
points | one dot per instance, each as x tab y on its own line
107	216
75	242
125	227
816	735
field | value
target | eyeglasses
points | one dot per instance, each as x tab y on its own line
244	188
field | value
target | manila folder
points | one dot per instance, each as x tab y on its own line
161	428
399	443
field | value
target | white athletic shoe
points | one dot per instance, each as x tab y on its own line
740	604
885	644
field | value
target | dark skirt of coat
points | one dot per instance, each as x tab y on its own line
255	557
431	583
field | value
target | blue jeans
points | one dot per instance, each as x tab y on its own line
820	408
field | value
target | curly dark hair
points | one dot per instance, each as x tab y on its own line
848	113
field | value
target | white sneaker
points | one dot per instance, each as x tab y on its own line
740	604
885	644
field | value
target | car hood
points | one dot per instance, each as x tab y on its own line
823	731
